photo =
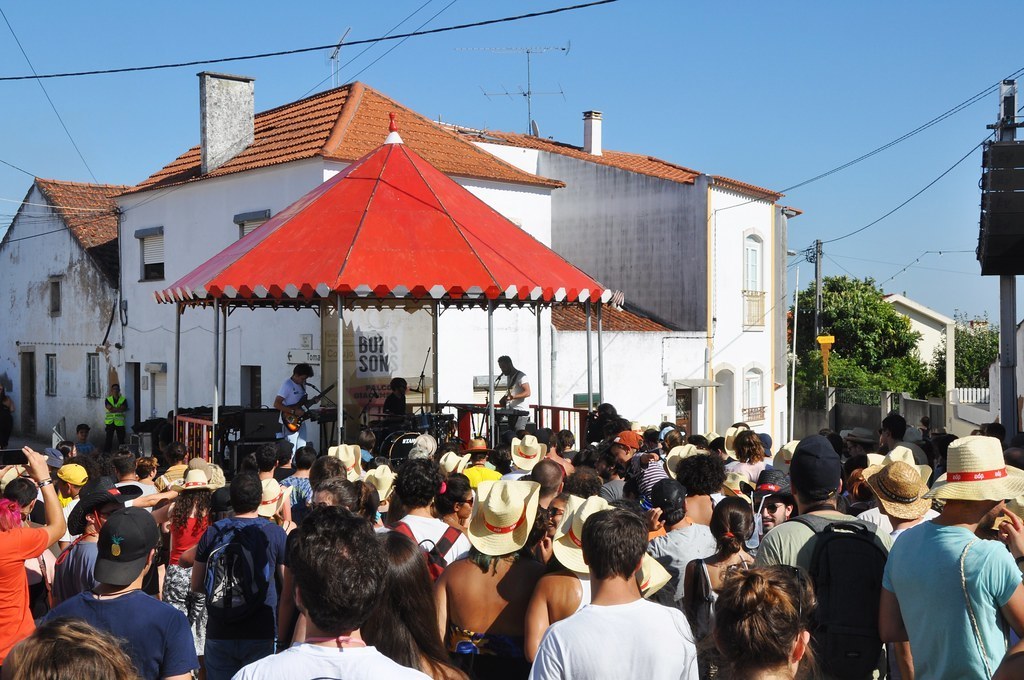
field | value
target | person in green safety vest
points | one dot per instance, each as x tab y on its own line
116	406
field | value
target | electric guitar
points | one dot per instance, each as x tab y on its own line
293	423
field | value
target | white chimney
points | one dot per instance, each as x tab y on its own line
592	132
226	117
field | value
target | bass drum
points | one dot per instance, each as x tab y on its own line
397	447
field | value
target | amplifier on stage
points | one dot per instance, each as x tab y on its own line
260	424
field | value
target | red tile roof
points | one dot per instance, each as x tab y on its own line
574	318
90	213
345	124
639	163
746	189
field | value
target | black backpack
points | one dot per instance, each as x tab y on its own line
238	573
846	569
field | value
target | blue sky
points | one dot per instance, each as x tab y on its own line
771	94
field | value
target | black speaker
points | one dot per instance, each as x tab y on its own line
260	424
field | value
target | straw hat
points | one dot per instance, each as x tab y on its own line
899	489
424	447
568	543
503	516
730	437
452	462
478	445
652	577
273	498
784	457
351	457
676	456
11	473
712	436
217	480
526	452
737	484
975	471
382	478
903	455
195	480
860	435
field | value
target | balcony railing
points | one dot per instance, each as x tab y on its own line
753	414
753	308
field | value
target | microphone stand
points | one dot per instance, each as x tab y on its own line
423	377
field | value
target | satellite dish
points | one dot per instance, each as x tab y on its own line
534	129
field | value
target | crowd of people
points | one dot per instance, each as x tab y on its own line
644	552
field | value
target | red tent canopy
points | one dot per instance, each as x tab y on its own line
389	226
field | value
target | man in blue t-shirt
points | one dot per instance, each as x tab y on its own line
242	554
944	589
155	635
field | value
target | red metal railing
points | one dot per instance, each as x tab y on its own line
196	434
561	418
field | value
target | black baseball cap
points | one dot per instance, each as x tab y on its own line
669	495
125	541
816	470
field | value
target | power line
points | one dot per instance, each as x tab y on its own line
399	43
368	47
921	128
281	53
12	165
47	95
918	193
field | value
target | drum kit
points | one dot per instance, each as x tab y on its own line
396	435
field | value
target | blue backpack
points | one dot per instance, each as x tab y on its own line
238	573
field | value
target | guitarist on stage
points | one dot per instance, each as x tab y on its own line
291	399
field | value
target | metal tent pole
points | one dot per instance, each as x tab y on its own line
216	372
490	374
179	309
341	363
435	392
224	356
590	362
600	353
540	364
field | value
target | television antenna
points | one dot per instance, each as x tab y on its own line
529	92
336	57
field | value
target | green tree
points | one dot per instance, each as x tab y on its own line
977	346
874	347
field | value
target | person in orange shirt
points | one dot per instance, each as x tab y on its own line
19	543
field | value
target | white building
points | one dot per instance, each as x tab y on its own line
701	257
58	268
249	167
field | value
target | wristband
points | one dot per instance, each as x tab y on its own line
45	482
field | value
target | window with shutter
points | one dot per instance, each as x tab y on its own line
153	257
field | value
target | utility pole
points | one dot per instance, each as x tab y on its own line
1006	131
817	288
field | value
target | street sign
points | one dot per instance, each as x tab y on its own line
826	342
304	356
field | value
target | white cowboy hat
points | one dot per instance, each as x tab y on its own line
568	543
382	478
527	452
503	516
652	576
677	455
737	484
901	454
195	480
273	498
424	447
975	471
899	488
730	437
784	457
452	462
351	457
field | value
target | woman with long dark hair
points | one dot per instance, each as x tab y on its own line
732	523
455	505
404	625
186	519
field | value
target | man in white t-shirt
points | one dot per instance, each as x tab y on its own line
419	482
613	547
337	546
289	401
517	393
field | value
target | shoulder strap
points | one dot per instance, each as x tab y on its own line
815	523
448	539
402	528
